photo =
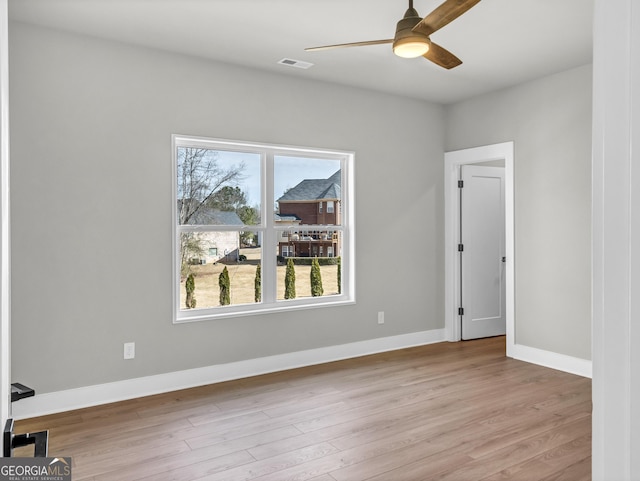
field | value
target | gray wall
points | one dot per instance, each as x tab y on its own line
91	206
549	121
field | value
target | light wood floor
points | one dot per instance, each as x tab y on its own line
449	411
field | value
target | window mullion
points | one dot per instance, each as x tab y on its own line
269	260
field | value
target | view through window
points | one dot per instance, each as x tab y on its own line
260	227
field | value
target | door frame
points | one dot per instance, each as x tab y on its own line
453	161
5	333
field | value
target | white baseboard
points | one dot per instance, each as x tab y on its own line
68	400
561	362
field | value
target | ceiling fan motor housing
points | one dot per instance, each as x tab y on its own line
404	31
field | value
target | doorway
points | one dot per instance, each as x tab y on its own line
502	153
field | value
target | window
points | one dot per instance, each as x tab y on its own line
244	212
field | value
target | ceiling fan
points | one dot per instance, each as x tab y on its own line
413	32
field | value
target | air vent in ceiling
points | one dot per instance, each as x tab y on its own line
295	63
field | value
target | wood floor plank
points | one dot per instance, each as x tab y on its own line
250	441
181	467
275	464
580	471
442	412
517	453
105	464
549	463
391	464
284	446
422	470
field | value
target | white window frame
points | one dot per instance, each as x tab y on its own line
269	232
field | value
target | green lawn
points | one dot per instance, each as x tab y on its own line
242	278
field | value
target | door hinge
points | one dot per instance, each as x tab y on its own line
460	184
460	247
461	311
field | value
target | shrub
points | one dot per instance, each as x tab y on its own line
339	275
316	279
258	284
190	286
224	283
290	281
307	261
242	258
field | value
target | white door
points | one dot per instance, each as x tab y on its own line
482	252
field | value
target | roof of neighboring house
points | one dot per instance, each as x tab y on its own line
314	189
207	216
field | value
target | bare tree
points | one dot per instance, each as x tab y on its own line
200	176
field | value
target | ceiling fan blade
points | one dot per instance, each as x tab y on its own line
441	16
441	56
354	44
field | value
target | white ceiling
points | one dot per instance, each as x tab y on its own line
501	42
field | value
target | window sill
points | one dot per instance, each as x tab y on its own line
197	315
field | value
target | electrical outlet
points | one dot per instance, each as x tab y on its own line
129	350
381	317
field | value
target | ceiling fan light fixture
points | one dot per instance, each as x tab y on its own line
411	47
407	43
